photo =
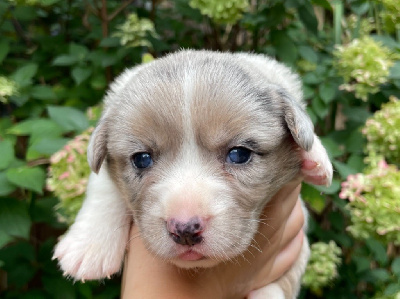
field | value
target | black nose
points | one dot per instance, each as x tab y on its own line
186	233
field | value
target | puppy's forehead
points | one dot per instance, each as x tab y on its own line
208	97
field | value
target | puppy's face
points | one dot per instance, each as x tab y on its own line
197	147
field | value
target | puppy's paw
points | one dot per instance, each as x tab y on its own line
316	168
273	291
85	257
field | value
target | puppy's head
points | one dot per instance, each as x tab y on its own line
197	143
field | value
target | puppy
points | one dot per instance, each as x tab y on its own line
191	147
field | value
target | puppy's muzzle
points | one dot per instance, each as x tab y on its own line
186	232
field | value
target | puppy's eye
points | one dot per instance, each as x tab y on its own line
239	155
142	160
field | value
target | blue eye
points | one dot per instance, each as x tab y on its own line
238	155
142	160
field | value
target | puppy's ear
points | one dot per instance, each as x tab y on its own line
298	121
97	148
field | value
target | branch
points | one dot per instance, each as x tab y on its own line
37	162
92	9
18	28
119	9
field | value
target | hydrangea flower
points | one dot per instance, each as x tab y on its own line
382	296
374	203
222	12
134	32
390	15
361	26
383	133
7	88
68	176
322	267
364	64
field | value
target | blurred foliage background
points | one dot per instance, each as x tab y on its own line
57	58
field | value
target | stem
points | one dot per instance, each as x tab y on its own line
153	10
104	18
338	15
121	8
20	31
216	36
378	24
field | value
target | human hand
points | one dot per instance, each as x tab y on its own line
275	248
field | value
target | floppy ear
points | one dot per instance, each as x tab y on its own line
97	148
298	121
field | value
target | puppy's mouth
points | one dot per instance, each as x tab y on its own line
191	255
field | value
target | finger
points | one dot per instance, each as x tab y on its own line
294	224
278	210
285	199
133	233
287	257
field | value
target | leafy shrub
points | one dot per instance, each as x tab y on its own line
383	133
364	64
322	266
68	176
57	58
224	12
374	203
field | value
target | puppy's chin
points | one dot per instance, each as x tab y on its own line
201	263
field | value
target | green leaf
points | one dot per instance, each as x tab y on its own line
396	266
48	146
65	60
42	92
286	50
360	7
27	178
395	71
312	79
308	53
78	51
312	115
4	49
356	161
378	275
23	76
355	141
80	74
313	197
69	118
98	82
357	114
109	60
59	288
5	123
6	153
327	92
332	147
307	17
5	186
20	264
109	42
362	263
323	3
332	189
36	128
378	250
343	169
43	211
48	2
19	100
319	107
392	289
14	220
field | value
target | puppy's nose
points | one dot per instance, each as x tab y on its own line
186	232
